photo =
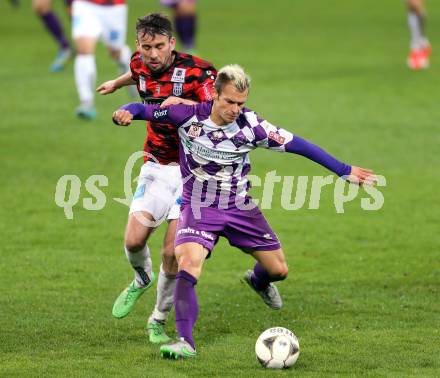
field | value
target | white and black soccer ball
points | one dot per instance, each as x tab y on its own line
277	348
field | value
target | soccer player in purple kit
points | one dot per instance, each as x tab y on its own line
43	8
216	138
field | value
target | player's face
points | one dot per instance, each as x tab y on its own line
228	103
156	51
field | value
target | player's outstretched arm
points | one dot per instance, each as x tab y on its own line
113	85
313	152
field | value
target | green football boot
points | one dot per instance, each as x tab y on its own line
128	298
156	332
179	349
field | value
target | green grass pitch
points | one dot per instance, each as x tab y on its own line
363	291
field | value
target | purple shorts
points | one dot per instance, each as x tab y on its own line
244	229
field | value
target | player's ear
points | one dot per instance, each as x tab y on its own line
173	43
215	93
137	44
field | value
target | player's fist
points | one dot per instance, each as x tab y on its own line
122	117
362	176
107	87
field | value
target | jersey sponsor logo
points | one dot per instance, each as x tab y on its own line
194	232
160	113
276	137
177	89
208	153
195	129
142	84
178	75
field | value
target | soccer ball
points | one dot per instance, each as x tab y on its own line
277	348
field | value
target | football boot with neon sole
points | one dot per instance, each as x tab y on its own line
128	298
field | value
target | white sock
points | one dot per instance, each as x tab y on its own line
124	59
142	265
165	293
85	77
416	30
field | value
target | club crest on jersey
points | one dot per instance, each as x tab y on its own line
142	84
178	75
276	137
177	89
195	129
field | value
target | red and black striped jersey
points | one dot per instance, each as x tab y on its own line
107	2
188	77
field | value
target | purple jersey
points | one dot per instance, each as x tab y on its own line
214	160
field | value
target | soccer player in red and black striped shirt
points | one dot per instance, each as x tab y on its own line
161	75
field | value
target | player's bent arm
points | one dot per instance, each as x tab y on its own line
174	114
113	85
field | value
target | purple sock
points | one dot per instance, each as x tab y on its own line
260	279
185	305
186	30
54	26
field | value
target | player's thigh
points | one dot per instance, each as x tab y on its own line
156	191
273	261
41	6
138	230
85	45
86	26
190	257
114	21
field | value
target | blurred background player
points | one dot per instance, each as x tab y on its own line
94	20
162	76
43	8
420	48
185	20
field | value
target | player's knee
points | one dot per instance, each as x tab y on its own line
281	272
134	244
114	54
40	8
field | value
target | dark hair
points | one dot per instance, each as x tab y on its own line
154	23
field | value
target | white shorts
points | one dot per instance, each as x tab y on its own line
107	23
158	192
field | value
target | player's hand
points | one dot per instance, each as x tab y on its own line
107	87
362	176
172	100
122	117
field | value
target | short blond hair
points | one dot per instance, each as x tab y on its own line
232	73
